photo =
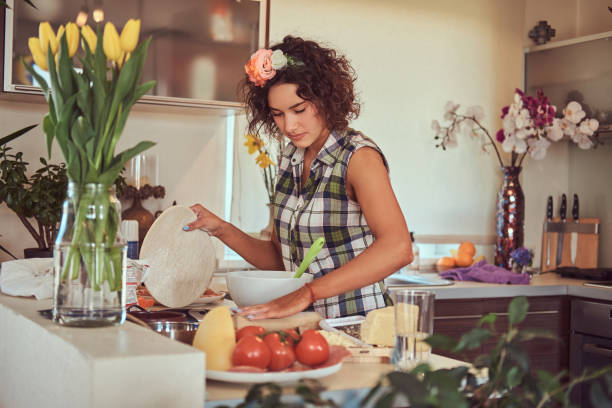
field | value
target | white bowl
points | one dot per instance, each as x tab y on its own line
254	287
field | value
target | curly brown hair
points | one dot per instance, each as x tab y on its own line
323	77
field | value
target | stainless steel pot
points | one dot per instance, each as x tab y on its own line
181	331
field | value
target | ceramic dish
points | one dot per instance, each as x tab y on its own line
277	377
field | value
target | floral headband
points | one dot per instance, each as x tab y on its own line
264	63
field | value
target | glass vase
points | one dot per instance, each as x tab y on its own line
90	259
510	217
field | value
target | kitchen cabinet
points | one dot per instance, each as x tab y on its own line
453	317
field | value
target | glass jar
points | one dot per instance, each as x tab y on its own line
90	259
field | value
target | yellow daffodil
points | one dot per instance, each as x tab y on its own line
47	37
253	143
129	35
88	35
111	43
263	160
38	55
72	37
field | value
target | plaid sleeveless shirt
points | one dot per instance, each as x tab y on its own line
323	208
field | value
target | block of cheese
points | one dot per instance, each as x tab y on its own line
379	325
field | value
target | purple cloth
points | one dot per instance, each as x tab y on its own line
484	272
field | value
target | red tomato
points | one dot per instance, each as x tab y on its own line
251	351
282	352
313	349
249	331
291	336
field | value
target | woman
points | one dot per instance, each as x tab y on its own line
333	182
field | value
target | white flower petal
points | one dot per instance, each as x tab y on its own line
520	146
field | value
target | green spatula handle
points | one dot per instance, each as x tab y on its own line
310	255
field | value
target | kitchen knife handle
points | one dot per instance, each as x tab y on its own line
575	208
563	208
549	209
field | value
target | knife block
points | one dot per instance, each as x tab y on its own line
587	230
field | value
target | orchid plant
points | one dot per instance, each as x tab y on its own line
529	126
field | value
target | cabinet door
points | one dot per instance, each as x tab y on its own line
456	317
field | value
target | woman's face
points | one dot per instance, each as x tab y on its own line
297	119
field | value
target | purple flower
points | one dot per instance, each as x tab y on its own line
505	111
521	256
499	136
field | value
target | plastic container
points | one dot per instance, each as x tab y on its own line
129	228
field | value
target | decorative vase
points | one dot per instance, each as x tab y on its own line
142	215
90	259
510	216
266	233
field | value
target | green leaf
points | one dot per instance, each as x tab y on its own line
472	339
489	318
66	69
49	129
530	334
110	175
63	124
41	81
513	377
15	135
142	91
440	341
517	310
408	385
56	94
519	356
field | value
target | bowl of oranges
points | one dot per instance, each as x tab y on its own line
461	257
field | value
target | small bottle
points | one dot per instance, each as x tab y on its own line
416	261
129	228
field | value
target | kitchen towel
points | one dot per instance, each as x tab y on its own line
28	277
484	272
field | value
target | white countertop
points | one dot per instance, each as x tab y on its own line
547	284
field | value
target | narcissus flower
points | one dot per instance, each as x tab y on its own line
111	43
88	35
264	160
47	37
253	143
38	55
129	35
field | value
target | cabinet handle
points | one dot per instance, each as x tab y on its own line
598	350
540	312
458	317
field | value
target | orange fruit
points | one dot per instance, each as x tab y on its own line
467	248
446	261
464	259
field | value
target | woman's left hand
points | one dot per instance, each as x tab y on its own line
287	305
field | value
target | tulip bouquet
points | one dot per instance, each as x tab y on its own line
88	109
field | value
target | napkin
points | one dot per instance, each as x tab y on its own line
28	277
484	272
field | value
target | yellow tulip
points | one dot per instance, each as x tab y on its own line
60	31
38	55
88	34
129	35
120	61
111	43
72	37
47	37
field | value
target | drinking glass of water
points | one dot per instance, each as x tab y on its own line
414	311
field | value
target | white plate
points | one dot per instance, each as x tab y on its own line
282	377
204	300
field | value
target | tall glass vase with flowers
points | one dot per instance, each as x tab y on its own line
266	159
88	109
529	126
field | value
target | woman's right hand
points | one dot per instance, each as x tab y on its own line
206	221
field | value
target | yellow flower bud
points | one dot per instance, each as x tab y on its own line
72	37
47	37
60	31
111	42
88	34
129	35
39	57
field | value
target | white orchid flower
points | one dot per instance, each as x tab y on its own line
585	128
435	126
450	109
568	128
582	140
509	124
512	143
573	112
476	112
555	133
593	124
451	138
538	148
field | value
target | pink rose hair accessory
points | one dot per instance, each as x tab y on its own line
264	63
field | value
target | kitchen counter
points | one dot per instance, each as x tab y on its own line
547	284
